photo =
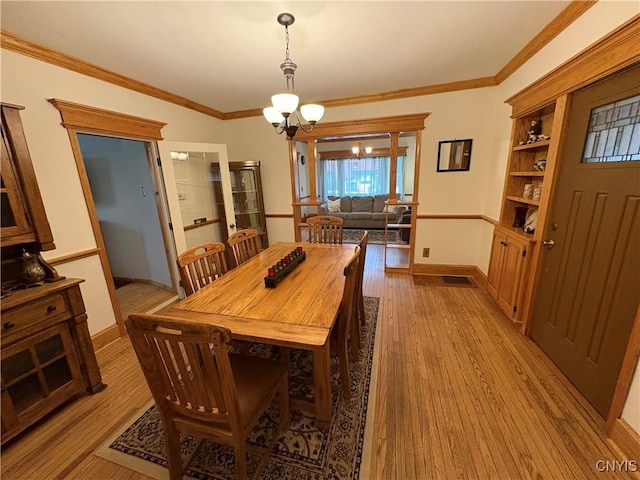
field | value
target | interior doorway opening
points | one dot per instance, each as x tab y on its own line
128	208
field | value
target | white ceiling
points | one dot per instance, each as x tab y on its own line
227	54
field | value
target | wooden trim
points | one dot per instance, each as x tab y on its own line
614	52
92	119
148	282
569	15
399	123
348	154
626	439
381	97
105	337
15	43
280	215
457	216
95	226
72	257
627	370
193	226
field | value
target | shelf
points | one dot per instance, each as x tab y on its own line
244	191
517	231
532	146
527	174
528	201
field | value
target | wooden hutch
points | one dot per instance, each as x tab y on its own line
46	350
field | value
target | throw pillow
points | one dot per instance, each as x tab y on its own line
333	206
390	208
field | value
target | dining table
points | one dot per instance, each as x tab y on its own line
298	313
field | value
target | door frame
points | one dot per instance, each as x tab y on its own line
172	192
83	119
611	54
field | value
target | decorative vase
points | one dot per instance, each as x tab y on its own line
32	272
521	215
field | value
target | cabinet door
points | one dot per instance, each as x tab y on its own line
511	276
495	263
14	215
248	205
38	374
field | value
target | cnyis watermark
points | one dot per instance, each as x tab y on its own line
617	466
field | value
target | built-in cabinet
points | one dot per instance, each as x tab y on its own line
532	158
248	203
46	352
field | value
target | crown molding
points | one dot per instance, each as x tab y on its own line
15	43
569	15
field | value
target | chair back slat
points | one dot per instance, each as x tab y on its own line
201	265
187	366
346	314
244	244
325	229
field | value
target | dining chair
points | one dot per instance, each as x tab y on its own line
340	332
201	265
357	323
325	229
202	390
244	245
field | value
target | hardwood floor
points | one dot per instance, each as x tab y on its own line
139	297
460	394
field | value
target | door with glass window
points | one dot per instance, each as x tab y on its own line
588	290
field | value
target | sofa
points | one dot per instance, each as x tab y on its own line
363	211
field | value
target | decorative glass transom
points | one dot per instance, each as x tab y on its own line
614	132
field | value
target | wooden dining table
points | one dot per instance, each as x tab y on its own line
298	313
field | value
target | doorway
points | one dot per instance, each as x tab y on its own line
125	196
588	296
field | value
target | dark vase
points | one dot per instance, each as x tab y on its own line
521	216
32	272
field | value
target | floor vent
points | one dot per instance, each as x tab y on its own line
456	280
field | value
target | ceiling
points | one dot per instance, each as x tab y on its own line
226	55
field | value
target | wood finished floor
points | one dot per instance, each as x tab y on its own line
460	394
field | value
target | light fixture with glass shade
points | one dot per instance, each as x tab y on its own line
283	115
361	152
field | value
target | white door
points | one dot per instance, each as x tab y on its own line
199	196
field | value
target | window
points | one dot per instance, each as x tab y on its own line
359	176
614	132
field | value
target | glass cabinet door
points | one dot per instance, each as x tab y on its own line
248	205
14	216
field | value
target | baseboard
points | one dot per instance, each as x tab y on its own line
145	280
452	270
105	337
626	439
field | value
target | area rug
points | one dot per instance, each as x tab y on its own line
302	452
353	235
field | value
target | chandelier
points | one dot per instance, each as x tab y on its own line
361	152
283	115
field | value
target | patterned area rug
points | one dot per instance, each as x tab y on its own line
353	235
302	452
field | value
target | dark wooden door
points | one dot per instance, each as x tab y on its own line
590	278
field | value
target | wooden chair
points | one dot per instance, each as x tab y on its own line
325	229
342	328
201	265
202	390
358	314
244	244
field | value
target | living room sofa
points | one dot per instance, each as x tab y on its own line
363	211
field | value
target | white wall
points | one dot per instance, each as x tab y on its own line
123	191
